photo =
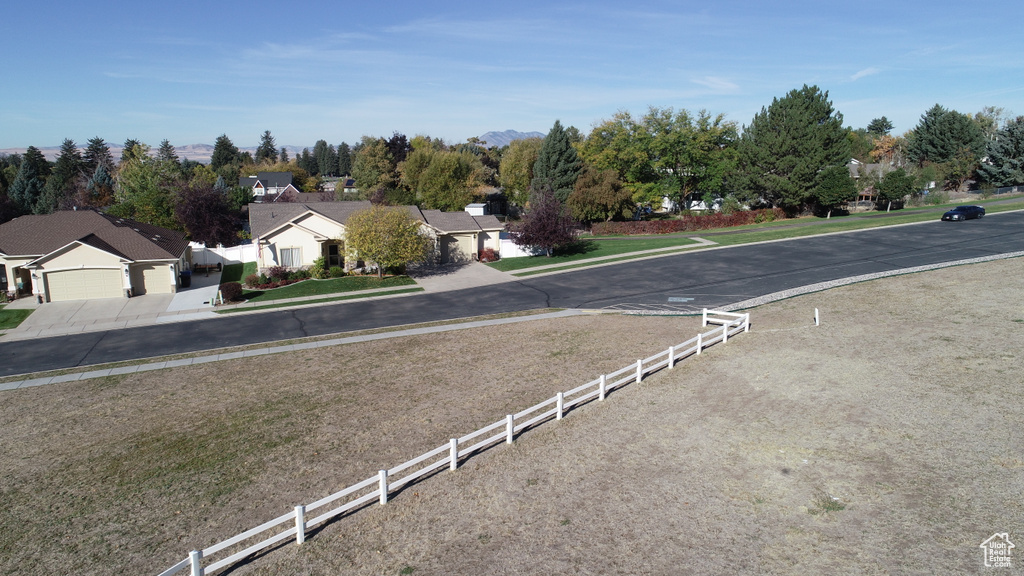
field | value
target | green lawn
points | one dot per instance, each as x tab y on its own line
324	287
10	319
596	247
236	272
777	230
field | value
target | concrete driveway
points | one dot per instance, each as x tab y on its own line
75	316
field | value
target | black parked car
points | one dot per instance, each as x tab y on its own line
964	213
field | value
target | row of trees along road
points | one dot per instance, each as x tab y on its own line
792	154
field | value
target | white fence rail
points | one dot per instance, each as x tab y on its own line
377	487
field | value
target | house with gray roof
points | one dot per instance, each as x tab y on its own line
294	234
269	186
85	254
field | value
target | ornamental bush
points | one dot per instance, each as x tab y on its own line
231	291
687	223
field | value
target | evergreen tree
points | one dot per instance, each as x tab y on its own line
100	189
557	163
326	158
220	185
28	184
97	153
344	160
787	146
942	134
224	153
307	162
283	155
266	152
1005	156
62	186
879	127
126	151
166	152
399	147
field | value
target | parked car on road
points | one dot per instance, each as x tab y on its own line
964	213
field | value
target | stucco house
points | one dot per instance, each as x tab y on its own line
294	234
85	254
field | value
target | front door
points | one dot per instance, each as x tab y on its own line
334	257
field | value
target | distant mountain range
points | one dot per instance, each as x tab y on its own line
203	152
500	139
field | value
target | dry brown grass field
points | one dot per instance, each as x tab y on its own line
885	441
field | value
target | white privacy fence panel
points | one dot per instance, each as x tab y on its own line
202	254
378	486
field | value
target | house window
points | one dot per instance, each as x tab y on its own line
291	257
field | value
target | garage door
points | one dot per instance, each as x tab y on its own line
151	280
84	284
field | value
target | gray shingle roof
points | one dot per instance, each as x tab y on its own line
264	218
41	234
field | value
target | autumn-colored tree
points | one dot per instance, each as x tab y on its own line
546	224
387	236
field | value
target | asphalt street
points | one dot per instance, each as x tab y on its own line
684	283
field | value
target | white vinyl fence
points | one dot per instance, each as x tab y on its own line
202	254
296	523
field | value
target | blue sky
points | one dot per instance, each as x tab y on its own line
190	71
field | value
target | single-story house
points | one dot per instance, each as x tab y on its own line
269	186
294	234
85	254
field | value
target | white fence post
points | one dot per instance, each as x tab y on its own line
816	317
704	318
510	429
560	403
746	322
700	342
383	487
639	370
453	453
300	524
671	357
725	332
195	558
601	387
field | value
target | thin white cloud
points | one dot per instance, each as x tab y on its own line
717	84
865	72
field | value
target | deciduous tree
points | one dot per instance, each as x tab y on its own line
515	173
599	196
546	223
835	187
387	236
206	215
894	187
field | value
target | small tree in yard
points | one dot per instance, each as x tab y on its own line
387	236
546	224
895	186
836	186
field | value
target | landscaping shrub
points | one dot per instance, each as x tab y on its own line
337	272
252	280
231	291
488	255
299	275
263	280
687	223
319	269
277	272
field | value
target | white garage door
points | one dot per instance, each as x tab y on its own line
84	284
151	279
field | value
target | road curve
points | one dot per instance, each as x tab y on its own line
683	282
